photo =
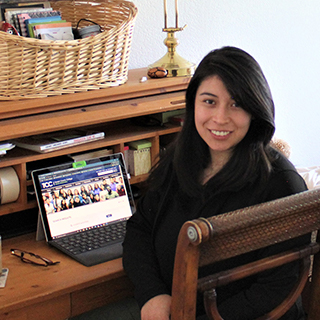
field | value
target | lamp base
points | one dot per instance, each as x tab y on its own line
175	65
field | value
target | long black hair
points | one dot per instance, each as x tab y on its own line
251	160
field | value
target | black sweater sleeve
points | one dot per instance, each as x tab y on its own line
139	259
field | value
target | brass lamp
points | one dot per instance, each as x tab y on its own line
172	62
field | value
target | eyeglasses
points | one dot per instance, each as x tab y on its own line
32	258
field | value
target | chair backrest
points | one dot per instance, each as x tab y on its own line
205	241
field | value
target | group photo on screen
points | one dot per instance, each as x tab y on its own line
75	195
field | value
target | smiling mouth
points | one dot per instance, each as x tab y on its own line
220	133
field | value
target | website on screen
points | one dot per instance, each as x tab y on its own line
84	198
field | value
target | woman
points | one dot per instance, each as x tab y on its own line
221	161
64	204
96	190
121	190
83	190
69	194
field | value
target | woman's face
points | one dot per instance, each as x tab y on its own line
220	122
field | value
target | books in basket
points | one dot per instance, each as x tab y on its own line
55	31
31	22
58	140
41	13
11	14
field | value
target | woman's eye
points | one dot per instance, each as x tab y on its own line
209	101
236	105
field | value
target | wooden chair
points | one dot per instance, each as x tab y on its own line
205	241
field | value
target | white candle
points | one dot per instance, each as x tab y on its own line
165	13
177	24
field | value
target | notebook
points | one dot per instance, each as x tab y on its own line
84	207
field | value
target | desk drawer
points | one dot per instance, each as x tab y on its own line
100	295
57	309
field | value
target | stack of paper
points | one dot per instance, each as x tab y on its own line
53	141
5	146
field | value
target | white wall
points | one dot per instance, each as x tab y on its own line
283	36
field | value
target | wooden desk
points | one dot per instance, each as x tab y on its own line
56	292
69	289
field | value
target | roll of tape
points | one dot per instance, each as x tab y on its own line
9	185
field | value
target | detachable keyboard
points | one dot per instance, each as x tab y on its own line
93	238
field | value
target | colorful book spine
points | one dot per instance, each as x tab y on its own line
32	14
22	17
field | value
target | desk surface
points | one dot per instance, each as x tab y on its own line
28	285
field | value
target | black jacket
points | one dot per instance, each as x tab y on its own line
149	246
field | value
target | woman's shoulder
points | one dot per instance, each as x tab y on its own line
281	163
284	179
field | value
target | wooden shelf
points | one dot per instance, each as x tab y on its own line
88	115
115	134
133	88
110	110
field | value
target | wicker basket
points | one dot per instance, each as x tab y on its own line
31	68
